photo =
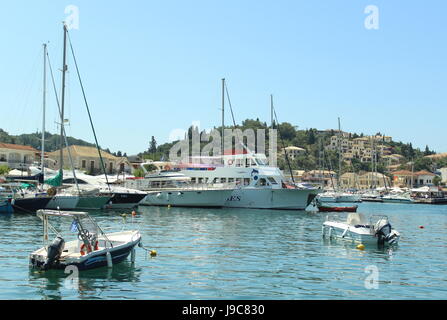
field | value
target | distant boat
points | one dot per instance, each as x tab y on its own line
358	229
6	207
324	208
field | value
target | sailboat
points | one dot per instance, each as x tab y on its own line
339	195
70	198
26	201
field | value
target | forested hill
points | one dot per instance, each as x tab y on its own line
52	141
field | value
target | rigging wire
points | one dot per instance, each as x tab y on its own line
63	127
88	110
283	145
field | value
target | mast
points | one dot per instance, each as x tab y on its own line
339	154
223	117
271	110
64	69
42	157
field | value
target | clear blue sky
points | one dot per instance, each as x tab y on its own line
153	66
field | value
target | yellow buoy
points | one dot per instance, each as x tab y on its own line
153	253
361	247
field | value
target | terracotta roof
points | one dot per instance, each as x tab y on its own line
84	151
402	173
17	147
424	173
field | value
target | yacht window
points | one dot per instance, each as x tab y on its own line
84	164
193	180
246	181
215	180
262	182
230	179
223	180
272	180
200	180
260	162
238	181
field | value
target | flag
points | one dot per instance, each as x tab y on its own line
74	226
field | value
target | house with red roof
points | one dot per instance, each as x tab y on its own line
408	179
17	156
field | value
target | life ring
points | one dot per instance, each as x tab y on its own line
87	249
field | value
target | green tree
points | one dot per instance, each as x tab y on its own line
4	169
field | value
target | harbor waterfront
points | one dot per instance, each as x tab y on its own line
233	253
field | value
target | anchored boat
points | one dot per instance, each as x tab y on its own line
92	249
357	229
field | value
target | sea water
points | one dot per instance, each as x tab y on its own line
239	254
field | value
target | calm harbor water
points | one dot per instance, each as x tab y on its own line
240	254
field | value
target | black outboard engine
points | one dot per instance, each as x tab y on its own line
54	252
383	232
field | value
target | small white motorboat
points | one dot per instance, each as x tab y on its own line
92	249
357	229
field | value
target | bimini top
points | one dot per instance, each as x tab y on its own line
59	213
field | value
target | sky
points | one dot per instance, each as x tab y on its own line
150	68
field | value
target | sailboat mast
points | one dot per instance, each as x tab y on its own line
42	157
271	110
64	69
223	117
339	154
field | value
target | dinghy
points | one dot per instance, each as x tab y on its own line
357	229
92	249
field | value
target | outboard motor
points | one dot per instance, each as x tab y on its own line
383	232
54	252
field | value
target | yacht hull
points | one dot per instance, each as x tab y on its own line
123	200
92	202
29	205
281	199
188	198
61	202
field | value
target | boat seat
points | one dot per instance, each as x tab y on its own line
356	218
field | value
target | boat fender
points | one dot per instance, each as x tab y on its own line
109	259
361	247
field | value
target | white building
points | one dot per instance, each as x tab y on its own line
16	156
293	152
443	174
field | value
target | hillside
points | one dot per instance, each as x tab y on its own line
52	141
314	140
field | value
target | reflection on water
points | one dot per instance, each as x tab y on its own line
54	284
239	254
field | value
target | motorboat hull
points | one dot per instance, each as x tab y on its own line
124	200
360	234
337	209
92	260
206	198
268	198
